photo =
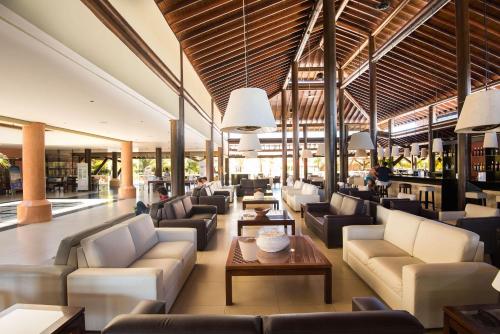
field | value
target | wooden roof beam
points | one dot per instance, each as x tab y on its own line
356	103
338	12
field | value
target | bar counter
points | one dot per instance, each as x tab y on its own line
445	189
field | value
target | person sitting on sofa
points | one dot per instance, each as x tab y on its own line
200	182
370	179
141	207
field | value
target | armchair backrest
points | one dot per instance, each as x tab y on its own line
352	206
261	183
178	207
309	189
401	230
297	184
246	183
478	211
188	205
336	203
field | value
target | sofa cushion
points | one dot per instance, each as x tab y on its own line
364	250
143	233
479	211
179	210
390	270
309	189
351	206
401	230
179	250
168	211
111	248
202	216
188	205
297	185
171	269
441	243
336	202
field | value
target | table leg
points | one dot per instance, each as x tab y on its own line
239	229
328	286
244	205
293	228
229	288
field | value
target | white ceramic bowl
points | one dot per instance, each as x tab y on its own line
272	241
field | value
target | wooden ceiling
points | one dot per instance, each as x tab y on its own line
418	71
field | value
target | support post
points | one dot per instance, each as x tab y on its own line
330	98
220	162
432	161
463	89
88	161
284	150
210	149
114	183
373	99
390	125
177	141
158	171
295	121
342	136
127	189
304	131
34	208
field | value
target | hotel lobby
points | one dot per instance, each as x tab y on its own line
243	166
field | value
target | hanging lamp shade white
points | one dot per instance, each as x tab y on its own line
496	282
490	140
250	154
415	149
249	142
423	152
360	154
380	152
321	150
480	112
306	154
248	111
387	152
395	151
437	145
360	141
407	152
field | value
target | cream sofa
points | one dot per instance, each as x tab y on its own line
129	262
307	194
286	190
420	265
471	211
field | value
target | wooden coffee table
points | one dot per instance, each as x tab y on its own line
44	319
265	200
273	218
301	258
465	319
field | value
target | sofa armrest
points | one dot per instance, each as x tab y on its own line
176	234
333	225
451	215
149	307
363	232
200	208
318	207
368	304
222	193
430	286
33	284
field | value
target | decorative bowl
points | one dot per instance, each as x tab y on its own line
258	195
261	212
273	258
272	240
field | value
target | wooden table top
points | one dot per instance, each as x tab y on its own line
467	317
265	199
302	253
272	215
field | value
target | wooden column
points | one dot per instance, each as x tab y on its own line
127	189
373	98
330	98
390	125
432	162
220	162
463	89
158	171
295	120
284	151
88	161
304	131
343	136
346	152
226	170
209	148
114	182
34	208
177	141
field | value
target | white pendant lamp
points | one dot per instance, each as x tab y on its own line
248	111
480	112
415	149
380	152
490	140
249	142
395	151
321	150
360	154
437	145
360	141
250	154
306	154
407	152
387	152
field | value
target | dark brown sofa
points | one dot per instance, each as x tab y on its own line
249	187
413	207
370	316
327	219
180	212
206	196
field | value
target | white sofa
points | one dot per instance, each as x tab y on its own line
420	265
307	194
127	263
285	190
471	211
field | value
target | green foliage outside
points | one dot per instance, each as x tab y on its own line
4	161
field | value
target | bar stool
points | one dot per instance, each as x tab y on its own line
426	190
476	196
383	187
405	188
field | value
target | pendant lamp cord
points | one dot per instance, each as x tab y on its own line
245	43
486	53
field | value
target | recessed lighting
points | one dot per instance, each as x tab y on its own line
92	101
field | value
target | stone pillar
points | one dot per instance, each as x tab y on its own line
115	181
34	208
127	189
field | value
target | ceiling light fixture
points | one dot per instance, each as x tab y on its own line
248	109
249	142
360	141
